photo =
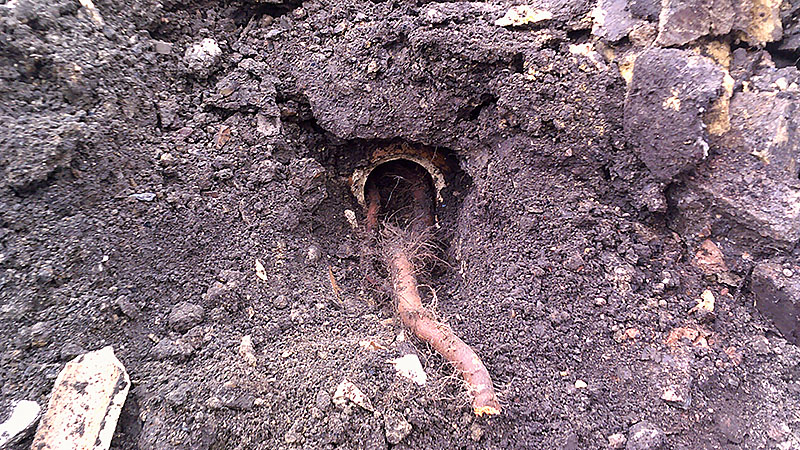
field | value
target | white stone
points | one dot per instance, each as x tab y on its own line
85	403
410	367
23	416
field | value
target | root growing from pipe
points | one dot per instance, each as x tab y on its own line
399	247
439	335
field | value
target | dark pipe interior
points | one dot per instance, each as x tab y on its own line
402	193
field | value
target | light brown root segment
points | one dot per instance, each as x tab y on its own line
439	335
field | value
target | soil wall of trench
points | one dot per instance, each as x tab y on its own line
609	165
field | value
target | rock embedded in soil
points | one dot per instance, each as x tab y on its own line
731	427
185	315
751	183
85	403
663	114
177	350
646	436
683	21
778	298
617	441
71	350
19	422
128	308
613	20
202	57
396	427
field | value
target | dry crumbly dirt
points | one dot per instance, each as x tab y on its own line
140	186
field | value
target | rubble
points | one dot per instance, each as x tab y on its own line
23	417
396	427
646	436
85	403
345	391
663	116
778	298
750	186
683	21
200	58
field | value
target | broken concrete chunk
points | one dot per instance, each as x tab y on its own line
663	116
85	403
408	366
23	417
778	298
752	181
201	57
349	391
683	21
523	15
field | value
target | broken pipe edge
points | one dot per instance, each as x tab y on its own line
360	176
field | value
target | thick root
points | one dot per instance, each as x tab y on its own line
439	335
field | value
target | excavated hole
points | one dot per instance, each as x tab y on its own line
403	192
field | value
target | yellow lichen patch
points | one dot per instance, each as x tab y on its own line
673	102
765	22
626	67
719	52
717	119
522	15
488	410
782	133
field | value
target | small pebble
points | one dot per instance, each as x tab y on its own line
580	384
280	302
788	273
144	196
617	440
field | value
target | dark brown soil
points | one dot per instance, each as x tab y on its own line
140	186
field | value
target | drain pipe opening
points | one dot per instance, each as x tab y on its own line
399	197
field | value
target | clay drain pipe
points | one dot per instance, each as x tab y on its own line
398	246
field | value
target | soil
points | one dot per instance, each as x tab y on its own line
146	174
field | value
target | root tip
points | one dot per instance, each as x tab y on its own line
486	410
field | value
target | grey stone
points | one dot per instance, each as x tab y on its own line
646	436
128	308
613	20
664	106
751	184
177	396
396	427
40	334
177	350
778	298
71	350
280	301
184	316
144	196
202	57
323	399
683	21
162	48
